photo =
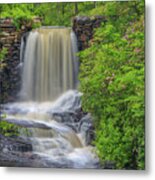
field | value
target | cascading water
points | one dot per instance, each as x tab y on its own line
50	64
49	106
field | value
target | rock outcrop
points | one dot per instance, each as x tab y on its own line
84	28
10	75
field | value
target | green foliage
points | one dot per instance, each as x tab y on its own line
61	13
3	53
36	25
8	129
112	80
18	12
52	14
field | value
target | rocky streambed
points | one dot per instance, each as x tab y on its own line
60	135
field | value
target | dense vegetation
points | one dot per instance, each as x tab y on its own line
112	79
54	14
111	72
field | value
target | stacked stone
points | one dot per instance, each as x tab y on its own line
84	27
10	38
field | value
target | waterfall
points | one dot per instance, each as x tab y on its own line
58	130
50	64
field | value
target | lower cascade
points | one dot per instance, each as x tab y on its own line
50	108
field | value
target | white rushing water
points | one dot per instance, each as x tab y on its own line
56	139
50	64
49	106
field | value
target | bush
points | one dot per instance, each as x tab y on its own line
8	129
112	80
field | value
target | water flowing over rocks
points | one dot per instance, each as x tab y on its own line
60	134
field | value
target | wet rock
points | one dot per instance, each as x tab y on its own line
17	159
63	116
79	122
17	152
14	144
59	163
87	129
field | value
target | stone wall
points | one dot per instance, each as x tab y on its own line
10	38
84	28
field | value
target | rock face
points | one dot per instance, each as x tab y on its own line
14	144
10	38
84	26
15	151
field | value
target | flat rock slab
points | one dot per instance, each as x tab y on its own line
28	123
16	144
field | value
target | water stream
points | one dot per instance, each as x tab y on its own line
49	104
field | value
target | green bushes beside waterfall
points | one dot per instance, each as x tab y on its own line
112	80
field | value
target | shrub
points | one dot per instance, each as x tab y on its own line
112	80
